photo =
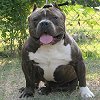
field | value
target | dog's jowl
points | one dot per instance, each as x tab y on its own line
50	55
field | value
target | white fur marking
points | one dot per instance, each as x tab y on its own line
50	57
41	84
45	13
85	92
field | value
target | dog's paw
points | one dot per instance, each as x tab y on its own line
26	92
85	92
21	89
44	91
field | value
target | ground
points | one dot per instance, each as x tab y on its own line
12	79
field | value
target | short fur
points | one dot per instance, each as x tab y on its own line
58	64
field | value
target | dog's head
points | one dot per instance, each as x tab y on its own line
47	24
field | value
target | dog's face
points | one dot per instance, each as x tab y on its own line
47	25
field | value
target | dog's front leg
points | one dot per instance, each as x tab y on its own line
29	72
44	88
81	74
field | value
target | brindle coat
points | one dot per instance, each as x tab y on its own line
66	76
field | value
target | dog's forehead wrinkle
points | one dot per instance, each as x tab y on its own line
48	11
44	11
37	12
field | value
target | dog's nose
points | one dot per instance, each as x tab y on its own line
44	24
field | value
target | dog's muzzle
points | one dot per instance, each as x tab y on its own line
46	30
45	27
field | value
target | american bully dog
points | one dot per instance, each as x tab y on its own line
50	55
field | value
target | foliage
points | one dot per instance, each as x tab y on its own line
13	22
89	3
14	26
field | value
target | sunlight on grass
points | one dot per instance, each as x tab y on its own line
90	49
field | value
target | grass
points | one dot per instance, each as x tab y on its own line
90	49
12	78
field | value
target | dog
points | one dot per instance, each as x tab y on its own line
50	55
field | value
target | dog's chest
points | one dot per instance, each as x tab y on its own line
50	57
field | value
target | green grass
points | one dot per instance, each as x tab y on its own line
90	49
12	78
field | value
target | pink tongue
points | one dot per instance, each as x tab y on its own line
46	39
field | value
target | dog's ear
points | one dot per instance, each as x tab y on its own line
34	7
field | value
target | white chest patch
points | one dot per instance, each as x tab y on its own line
50	57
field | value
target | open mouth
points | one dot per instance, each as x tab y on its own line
48	39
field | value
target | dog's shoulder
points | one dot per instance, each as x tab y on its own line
75	50
30	45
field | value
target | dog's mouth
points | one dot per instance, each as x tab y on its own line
46	39
49	39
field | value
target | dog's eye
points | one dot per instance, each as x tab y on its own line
35	19
55	17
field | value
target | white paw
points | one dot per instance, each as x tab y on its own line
85	92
